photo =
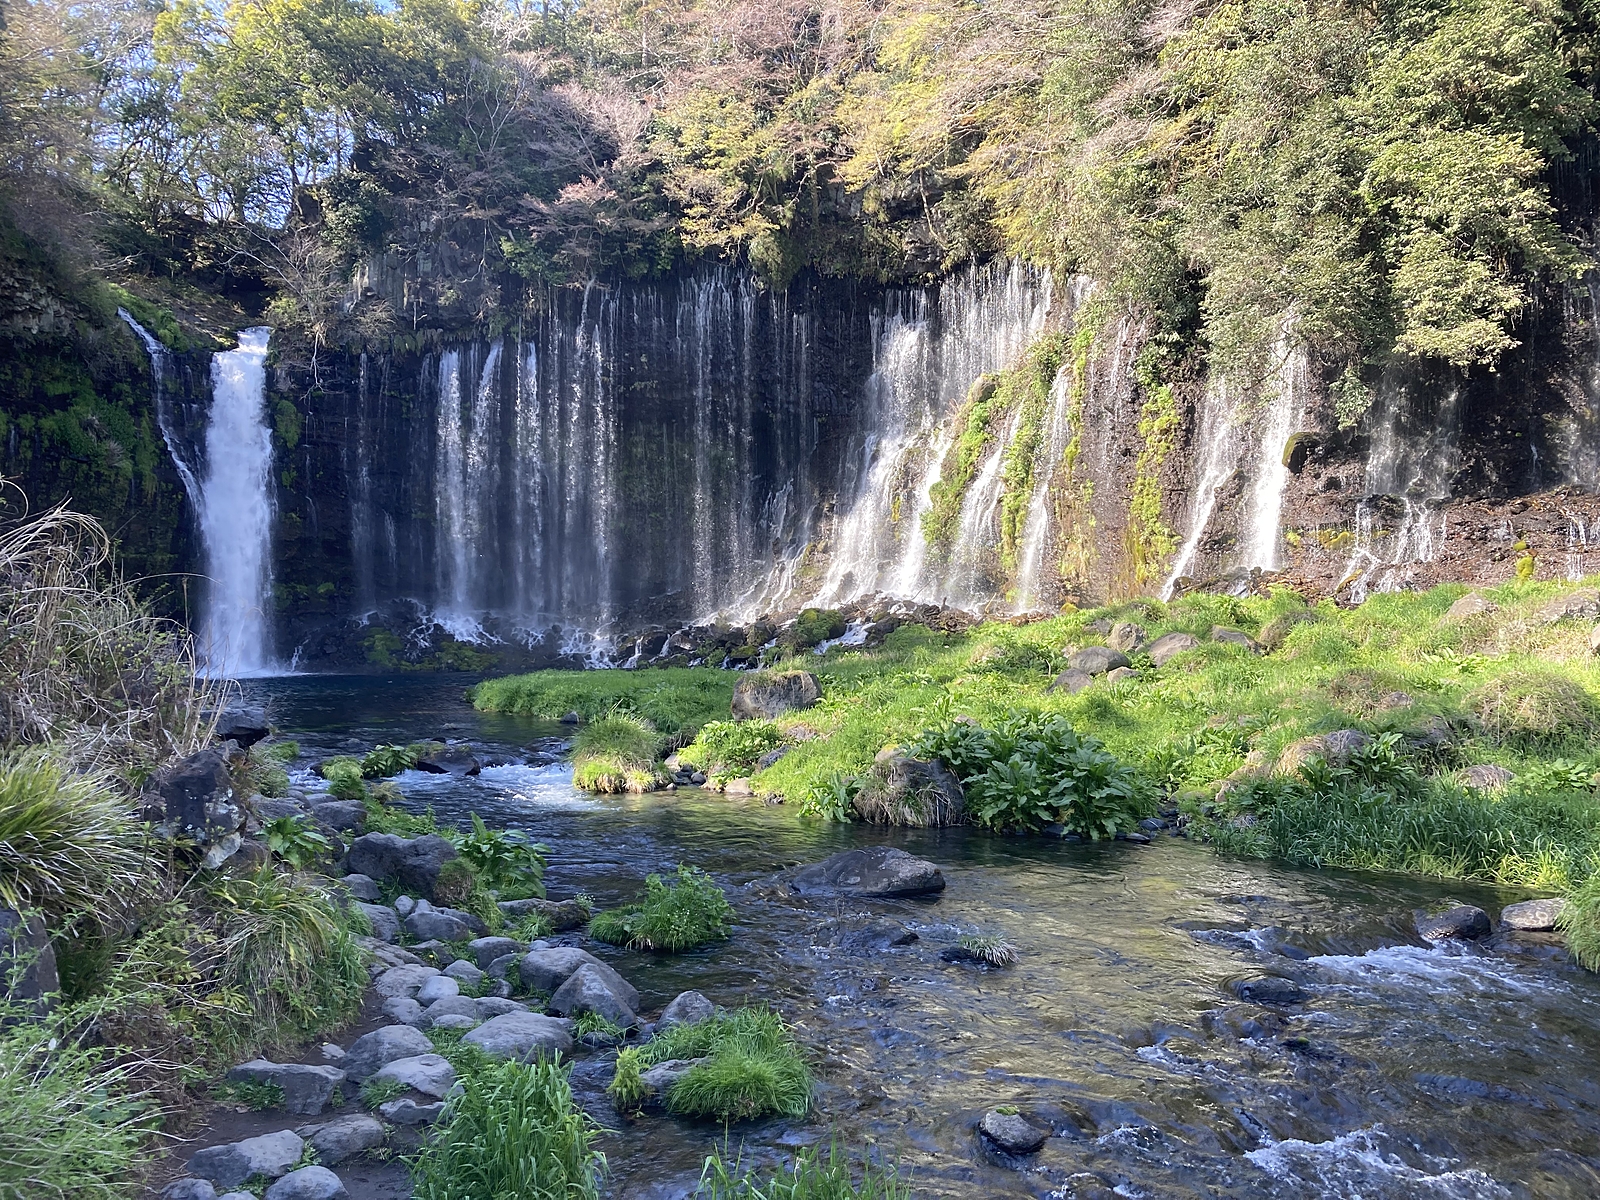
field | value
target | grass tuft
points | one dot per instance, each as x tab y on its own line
810	1176
690	912
676	701
754	1068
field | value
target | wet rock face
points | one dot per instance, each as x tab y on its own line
870	871
243	724
766	696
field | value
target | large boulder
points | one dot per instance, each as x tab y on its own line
413	863
523	1036
341	816
485	950
196	798
588	991
1473	604
243	724
916	792
438	924
1582	604
547	969
1169	645
308	1183
430	1074
1071	681
371	1052
868	871
1097	660
342	1138
383	919
766	695
27	960
687	1008
269	1156
562	914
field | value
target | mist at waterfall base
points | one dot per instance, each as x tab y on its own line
1410	1071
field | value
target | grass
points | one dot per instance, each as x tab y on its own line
376	1092
513	1131
995	951
672	917
727	749
677	701
593	1022
252	1093
809	1176
617	753
754	1068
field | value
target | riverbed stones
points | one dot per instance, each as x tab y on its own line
485	950
363	888
1071	681
1169	645
765	695
413	863
870	871
430	1074
405	980
1274	991
308	1183
1464	921
523	1036
190	1189
1533	916
1097	660
403	1010
441	1013
437	987
489	1007
562	915
307	1089
545	970
384	920
1486	777
269	1156
342	1138
587	991
687	1008
1012	1132
464	973
371	1052
406	1111
1126	636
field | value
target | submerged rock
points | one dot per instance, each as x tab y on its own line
869	871
766	695
449	760
1463	921
1271	990
1012	1132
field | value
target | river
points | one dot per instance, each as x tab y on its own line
1410	1072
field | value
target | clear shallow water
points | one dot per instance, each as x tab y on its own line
1411	1072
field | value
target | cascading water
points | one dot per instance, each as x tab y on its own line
1218	450
1036	531
236	512
1284	409
160	368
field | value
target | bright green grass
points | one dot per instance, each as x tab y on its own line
810	1176
676	700
690	911
754	1068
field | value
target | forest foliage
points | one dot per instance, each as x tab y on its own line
1367	180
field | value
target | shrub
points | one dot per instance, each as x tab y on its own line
724	749
506	861
295	841
672	917
755	1068
67	846
808	1177
384	761
74	1123
514	1132
341	767
1031	770
833	799
1536	710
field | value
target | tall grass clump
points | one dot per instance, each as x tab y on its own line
1580	922
616	753
73	1124
513	1131
809	1176
676	701
753	1068
689	912
1535	709
726	749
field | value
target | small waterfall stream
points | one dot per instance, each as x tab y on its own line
160	368
236	512
1036	531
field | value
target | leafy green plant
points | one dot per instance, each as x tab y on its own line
1557	775
832	799
1031	770
383	761
513	1131
383	814
67	845
1580	922
530	927
506	861
376	1092
754	1068
295	841
809	1176
725	749
690	912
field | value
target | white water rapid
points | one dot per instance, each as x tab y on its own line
236	513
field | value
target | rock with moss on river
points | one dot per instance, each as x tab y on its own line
871	871
562	914
913	792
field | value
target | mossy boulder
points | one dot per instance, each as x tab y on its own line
770	694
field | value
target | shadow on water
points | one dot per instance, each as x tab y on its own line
1408	1071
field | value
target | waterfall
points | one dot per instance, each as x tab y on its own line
1217	459
1036	530
1284	409
236	511
160	368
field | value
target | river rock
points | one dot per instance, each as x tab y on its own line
1126	636
196	797
342	1138
438	925
562	915
455	1020
465	974
687	1008
406	1111
489	1007
586	990
1013	1133
272	808
1463	921
1271	990
243	724
545	970
413	863
437	988
1486	777
1097	660
190	1189
921	793
874	937
1583	604
341	816
1533	916
449	760
1235	637
1473	604
868	871
659	1079
372	1051
1169	645
308	1183
485	950
523	1036
28	972
404	981
405	906
270	1155
430	1074
450	1006
383	919
1071	681
306	1089
403	1010
363	888
1334	748
765	695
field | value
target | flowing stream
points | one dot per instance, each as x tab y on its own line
1410	1072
